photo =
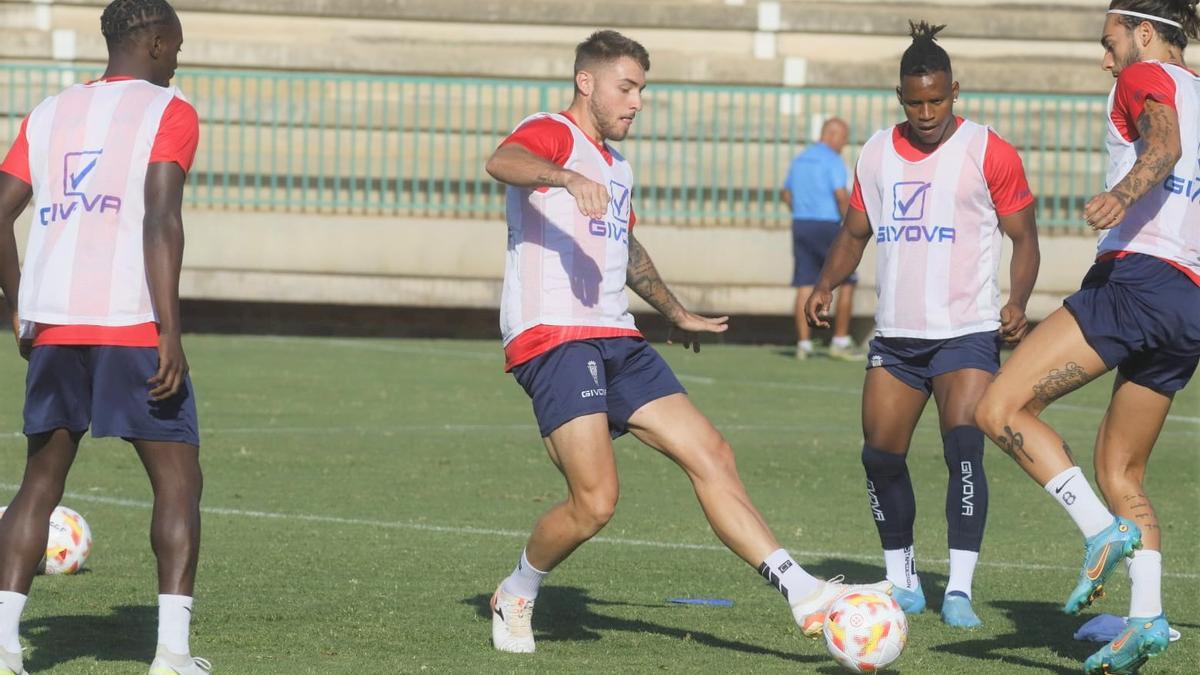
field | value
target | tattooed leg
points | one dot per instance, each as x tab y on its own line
1123	446
1053	360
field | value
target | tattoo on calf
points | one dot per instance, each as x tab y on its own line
1143	512
1058	382
1070	456
1013	442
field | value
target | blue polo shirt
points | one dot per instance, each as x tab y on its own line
812	178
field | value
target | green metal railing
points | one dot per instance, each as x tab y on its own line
416	146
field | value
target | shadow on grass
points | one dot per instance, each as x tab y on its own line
126	634
569	613
1036	625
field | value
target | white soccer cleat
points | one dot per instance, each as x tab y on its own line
11	663
512	623
170	663
810	612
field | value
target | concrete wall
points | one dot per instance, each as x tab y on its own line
300	258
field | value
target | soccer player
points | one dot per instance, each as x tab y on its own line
1138	311
815	193
96	307
935	193
571	342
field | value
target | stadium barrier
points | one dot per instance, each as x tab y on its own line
412	146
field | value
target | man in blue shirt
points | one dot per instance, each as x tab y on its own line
816	192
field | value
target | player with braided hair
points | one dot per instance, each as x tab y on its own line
96	308
1138	312
935	193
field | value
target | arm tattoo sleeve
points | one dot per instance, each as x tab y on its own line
1156	163
643	278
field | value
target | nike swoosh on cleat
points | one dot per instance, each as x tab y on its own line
1120	642
1094	573
499	612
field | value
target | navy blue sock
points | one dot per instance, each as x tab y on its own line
893	504
967	488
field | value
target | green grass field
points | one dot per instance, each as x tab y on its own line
364	497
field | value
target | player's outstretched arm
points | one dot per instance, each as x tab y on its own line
1158	126
844	256
14	195
1021	228
514	165
643	278
162	244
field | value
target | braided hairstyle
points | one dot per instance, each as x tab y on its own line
924	56
1180	11
124	20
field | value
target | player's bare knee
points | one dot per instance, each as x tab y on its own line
993	412
594	508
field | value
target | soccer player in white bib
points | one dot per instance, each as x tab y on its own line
96	308
935	193
1138	311
571	342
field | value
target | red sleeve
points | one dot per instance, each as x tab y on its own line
544	137
1005	176
178	134
16	163
856	198
1141	82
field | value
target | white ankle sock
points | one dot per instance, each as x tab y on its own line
1072	491
902	567
842	341
525	579
788	576
1145	581
11	606
962	571
174	620
804	345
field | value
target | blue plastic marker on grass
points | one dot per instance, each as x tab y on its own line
716	602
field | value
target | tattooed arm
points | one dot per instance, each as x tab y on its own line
1158	126
515	165
643	278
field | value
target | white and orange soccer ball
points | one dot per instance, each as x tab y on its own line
69	543
865	631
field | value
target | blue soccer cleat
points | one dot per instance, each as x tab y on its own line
1142	639
957	611
1100	557
912	602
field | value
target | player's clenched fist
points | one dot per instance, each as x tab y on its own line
591	196
1104	211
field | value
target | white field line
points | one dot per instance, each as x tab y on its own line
489	532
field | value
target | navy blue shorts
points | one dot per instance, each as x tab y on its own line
811	241
604	375
1142	316
74	388
916	361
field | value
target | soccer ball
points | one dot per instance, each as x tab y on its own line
865	630
69	543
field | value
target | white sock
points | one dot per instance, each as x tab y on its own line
840	341
902	567
525	579
11	606
174	618
788	576
1145	583
962	571
804	345
1071	490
